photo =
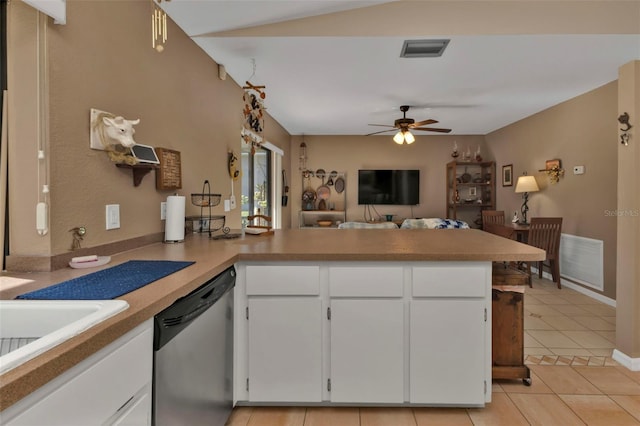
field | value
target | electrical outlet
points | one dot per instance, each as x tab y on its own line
163	210
113	216
227	205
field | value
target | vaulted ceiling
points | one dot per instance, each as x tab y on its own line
334	67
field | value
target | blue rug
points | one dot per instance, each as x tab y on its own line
109	283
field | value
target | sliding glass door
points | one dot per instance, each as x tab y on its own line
256	182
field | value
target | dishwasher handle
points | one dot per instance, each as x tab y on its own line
174	319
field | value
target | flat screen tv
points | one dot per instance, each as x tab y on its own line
400	187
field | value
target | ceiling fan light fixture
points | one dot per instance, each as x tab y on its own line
404	136
408	137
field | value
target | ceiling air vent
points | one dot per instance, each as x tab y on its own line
423	48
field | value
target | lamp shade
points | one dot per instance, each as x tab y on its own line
527	184
404	136
408	137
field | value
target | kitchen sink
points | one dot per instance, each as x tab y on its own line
31	327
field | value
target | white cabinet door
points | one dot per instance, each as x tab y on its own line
367	347
285	349
447	351
92	391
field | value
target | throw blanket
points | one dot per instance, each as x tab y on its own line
364	225
434	223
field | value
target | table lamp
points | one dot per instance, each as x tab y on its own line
526	184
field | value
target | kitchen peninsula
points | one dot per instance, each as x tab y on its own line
411	277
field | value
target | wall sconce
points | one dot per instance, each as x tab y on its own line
525	185
553	169
625	135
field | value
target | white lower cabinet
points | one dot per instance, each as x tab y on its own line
367	355
112	386
136	411
285	349
363	333
447	351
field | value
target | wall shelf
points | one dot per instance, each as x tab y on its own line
138	170
308	218
484	189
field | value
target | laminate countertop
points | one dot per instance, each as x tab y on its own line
214	256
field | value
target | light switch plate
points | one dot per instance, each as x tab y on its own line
113	216
578	170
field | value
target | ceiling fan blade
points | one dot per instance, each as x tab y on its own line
382	125
423	122
432	129
381	131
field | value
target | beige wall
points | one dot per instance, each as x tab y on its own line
628	208
347	154
580	131
102	58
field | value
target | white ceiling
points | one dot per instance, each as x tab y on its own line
321	84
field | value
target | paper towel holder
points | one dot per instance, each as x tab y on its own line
177	229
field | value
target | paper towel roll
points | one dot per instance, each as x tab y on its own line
174	223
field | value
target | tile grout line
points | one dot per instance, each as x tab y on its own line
607	395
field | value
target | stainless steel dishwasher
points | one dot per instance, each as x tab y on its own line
193	356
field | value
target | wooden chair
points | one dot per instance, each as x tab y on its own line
544	233
262	224
492	216
498	229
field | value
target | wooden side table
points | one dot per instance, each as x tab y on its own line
507	331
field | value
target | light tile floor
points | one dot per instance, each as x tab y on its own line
569	340
565	327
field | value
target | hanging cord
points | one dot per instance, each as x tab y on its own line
42	210
253	63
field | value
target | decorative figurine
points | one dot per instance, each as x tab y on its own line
515	217
478	156
78	235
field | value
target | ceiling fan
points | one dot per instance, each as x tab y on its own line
404	125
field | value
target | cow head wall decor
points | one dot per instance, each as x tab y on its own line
113	134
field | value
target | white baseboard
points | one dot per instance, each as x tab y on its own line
632	364
580	289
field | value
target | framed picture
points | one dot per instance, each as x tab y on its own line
550	164
507	175
472	191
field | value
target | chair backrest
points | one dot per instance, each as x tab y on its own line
544	233
492	216
498	229
261	221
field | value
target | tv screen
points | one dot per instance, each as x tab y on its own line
400	187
